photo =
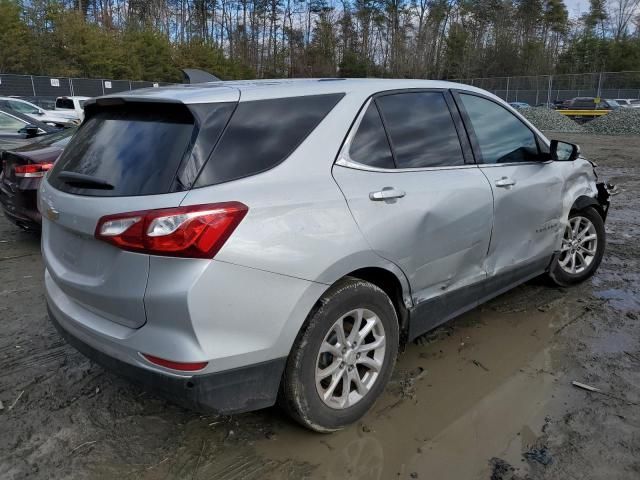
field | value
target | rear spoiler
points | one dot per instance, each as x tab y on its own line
96	104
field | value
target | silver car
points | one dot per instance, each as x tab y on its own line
235	243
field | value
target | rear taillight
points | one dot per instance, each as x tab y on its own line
33	170
196	231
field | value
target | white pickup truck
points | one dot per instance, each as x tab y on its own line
72	104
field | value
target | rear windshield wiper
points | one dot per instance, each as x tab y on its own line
81	180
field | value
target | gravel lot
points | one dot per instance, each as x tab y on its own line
624	121
488	396
548	119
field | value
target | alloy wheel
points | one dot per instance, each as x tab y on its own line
350	358
579	245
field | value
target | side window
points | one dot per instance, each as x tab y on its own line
421	129
369	145
503	138
22	107
263	133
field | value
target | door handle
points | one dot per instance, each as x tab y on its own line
505	182
387	193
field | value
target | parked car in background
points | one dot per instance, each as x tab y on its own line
228	245
51	117
48	103
22	170
72	104
551	105
589	103
519	105
17	129
628	102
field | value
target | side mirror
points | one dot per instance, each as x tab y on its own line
564	151
31	131
40	112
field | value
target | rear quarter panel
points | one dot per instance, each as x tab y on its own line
298	222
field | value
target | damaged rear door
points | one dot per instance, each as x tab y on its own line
415	193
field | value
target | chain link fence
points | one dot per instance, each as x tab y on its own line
42	86
534	90
539	89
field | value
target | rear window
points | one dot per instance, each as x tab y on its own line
64	103
263	133
135	149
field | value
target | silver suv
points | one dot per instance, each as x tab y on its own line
234	243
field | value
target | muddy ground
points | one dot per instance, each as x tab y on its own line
489	396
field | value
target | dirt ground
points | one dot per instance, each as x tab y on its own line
488	396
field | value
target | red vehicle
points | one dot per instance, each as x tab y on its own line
22	170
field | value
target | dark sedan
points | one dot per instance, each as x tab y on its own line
23	169
17	129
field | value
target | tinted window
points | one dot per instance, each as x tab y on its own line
137	149
421	130
263	133
66	103
370	146
503	138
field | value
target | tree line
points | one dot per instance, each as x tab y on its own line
153	39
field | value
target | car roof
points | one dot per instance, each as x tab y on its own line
248	90
77	97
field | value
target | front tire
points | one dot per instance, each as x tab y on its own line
583	246
342	358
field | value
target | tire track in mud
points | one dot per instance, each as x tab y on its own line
32	357
46	360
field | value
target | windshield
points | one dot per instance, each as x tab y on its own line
23	107
10	123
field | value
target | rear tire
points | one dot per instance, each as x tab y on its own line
335	372
583	246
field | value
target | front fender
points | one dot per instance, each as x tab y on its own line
579	191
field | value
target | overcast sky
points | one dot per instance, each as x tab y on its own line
576	7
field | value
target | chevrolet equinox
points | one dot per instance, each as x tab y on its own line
234	244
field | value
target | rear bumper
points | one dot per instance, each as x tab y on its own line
233	391
21	208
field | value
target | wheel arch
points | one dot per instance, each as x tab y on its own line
385	275
389	283
585	201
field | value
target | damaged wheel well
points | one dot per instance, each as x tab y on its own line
585	201
390	285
